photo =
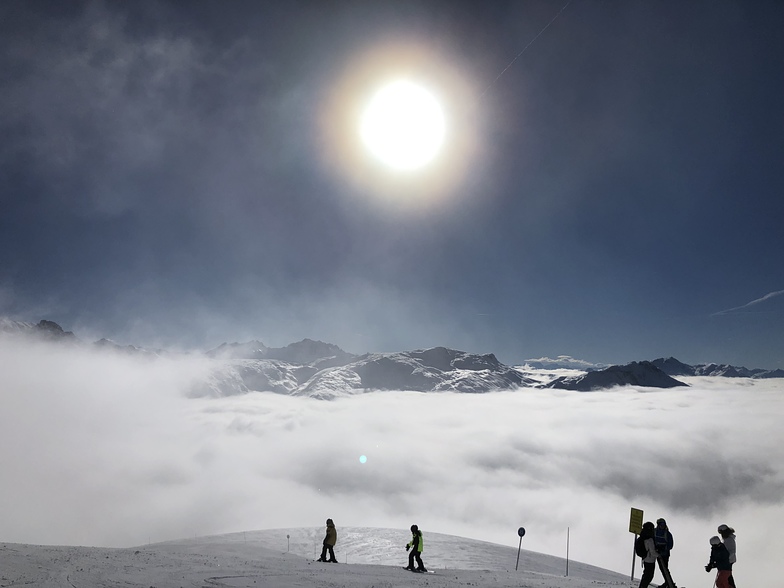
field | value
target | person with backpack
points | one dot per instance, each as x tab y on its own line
720	560
416	545
728	538
330	540
645	547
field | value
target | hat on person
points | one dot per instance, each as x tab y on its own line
722	528
661	522
715	540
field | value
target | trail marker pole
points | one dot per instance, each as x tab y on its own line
520	532
567	552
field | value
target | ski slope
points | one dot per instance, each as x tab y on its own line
271	559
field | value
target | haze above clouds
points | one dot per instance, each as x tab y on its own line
105	449
173	176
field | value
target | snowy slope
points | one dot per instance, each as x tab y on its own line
269	559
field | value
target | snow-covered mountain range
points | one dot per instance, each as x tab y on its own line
429	370
323	370
673	367
562	362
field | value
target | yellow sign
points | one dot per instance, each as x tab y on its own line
635	521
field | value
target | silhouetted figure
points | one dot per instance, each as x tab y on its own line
728	538
720	560
329	543
415	545
649	561
664	544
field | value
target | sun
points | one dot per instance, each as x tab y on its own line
403	126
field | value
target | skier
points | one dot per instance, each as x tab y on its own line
329	543
649	561
664	544
416	546
720	559
728	538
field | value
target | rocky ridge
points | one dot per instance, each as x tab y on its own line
643	373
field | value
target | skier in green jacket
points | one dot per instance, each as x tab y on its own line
416	546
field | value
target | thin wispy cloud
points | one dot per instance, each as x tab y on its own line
749	304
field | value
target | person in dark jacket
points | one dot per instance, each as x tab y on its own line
416	546
329	543
649	561
728	538
664	543
720	560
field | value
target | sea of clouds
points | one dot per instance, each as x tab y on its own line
106	449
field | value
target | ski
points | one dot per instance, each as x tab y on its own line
666	573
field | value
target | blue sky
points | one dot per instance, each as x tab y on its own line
172	174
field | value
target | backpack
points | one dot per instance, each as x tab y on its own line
639	547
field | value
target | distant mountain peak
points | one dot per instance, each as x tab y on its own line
45	329
643	373
247	350
302	352
673	367
562	362
307	351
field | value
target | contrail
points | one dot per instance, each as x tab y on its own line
752	303
531	42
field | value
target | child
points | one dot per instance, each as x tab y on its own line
720	559
416	545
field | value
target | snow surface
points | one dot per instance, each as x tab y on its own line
284	558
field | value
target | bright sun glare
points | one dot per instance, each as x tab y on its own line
403	126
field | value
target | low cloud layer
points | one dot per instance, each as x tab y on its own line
105	449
